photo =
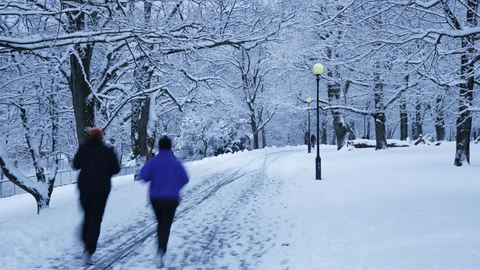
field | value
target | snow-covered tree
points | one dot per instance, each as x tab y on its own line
32	132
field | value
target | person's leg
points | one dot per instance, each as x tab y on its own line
85	202
165	225
157	206
97	209
164	211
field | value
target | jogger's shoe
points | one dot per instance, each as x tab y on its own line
159	259
87	257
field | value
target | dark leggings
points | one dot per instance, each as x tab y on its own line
93	205
164	211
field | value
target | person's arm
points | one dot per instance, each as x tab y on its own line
146	171
78	159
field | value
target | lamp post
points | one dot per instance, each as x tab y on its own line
309	100
318	70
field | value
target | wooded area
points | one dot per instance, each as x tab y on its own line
223	76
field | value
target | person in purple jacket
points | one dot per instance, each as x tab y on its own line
167	177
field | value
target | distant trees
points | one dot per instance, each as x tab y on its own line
252	74
399	50
200	138
445	27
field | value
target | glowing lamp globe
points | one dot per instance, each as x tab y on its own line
318	69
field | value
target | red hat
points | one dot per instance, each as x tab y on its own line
96	133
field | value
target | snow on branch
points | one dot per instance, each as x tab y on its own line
339	13
15	175
431	35
195	79
36	13
35	43
134	96
347	108
205	43
423	4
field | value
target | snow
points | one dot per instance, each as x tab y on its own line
152	117
42	188
401	208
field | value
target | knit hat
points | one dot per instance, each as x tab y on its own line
165	143
96	133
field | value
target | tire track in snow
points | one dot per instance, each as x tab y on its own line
136	240
239	230
195	196
118	246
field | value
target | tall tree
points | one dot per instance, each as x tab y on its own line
469	58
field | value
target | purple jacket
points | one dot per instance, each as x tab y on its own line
167	176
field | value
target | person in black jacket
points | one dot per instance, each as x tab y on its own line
97	164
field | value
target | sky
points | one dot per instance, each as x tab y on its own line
401	208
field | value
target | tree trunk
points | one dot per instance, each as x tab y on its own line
80	60
324	128
379	115
83	105
264	139
464	119
139	137
141	108
403	120
262	129
54	120
381	138
253	124
369	129
418	120
352	135
464	127
341	130
439	118
334	96
138	132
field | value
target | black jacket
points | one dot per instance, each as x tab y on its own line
97	163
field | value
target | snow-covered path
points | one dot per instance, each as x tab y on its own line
226	221
229	222
402	208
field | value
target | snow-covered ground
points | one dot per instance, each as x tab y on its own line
402	208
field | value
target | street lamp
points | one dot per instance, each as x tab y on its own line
309	100
318	70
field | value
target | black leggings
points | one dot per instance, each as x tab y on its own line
94	206
164	211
